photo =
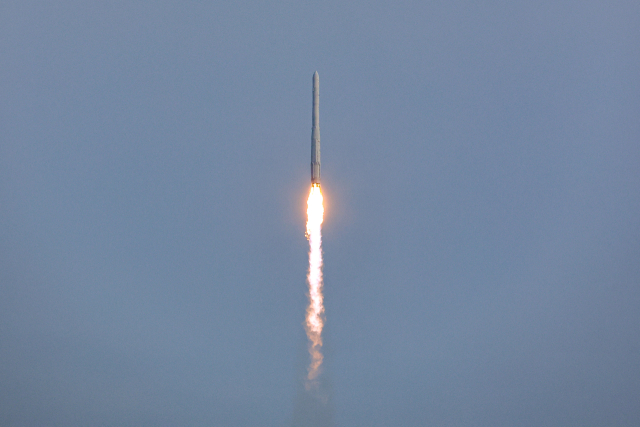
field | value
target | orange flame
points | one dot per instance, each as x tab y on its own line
315	312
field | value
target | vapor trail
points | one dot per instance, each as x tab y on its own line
315	312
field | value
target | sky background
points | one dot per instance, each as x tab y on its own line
481	174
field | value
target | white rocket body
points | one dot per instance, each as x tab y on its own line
315	131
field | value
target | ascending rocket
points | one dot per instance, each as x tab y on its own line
315	131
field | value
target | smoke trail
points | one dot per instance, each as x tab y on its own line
315	312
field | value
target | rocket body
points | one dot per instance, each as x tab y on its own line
315	131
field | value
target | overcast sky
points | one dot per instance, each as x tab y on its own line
481	174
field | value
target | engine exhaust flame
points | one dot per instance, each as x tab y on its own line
315	312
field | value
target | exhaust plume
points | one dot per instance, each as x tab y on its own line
315	311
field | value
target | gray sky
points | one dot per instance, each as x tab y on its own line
482	231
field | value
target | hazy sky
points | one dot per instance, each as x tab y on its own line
481	173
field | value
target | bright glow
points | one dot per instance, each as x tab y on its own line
315	311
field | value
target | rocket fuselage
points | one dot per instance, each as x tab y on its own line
315	131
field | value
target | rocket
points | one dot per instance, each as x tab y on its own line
315	132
